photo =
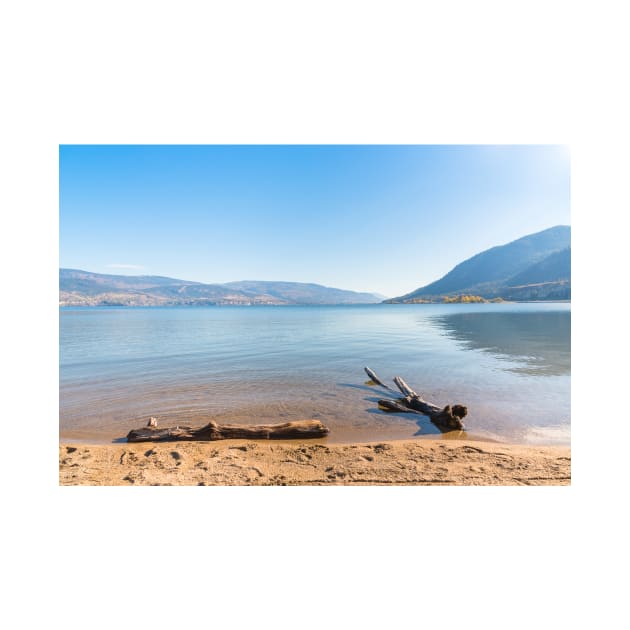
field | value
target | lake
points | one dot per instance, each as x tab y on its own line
509	363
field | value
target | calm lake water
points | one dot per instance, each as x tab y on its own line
510	363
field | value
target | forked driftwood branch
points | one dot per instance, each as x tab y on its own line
213	431
449	417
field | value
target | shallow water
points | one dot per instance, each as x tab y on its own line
510	363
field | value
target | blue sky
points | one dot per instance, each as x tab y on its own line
377	218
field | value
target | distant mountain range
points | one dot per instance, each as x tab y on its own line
535	267
84	288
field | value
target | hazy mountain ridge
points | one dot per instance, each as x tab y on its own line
556	265
304	293
86	281
84	288
536	266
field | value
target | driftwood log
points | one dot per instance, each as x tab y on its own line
446	418
212	431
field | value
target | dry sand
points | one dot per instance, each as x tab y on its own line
245	462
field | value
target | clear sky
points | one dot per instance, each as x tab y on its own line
378	218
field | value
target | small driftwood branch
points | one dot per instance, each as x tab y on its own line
448	418
213	431
376	380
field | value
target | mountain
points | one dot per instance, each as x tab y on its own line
556	266
84	288
94	283
537	266
302	293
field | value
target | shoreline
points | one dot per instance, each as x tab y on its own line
305	462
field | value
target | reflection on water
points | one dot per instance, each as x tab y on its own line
540	342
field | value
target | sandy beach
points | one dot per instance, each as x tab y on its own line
246	462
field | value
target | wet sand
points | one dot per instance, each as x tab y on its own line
245	462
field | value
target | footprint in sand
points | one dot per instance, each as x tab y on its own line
177	457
